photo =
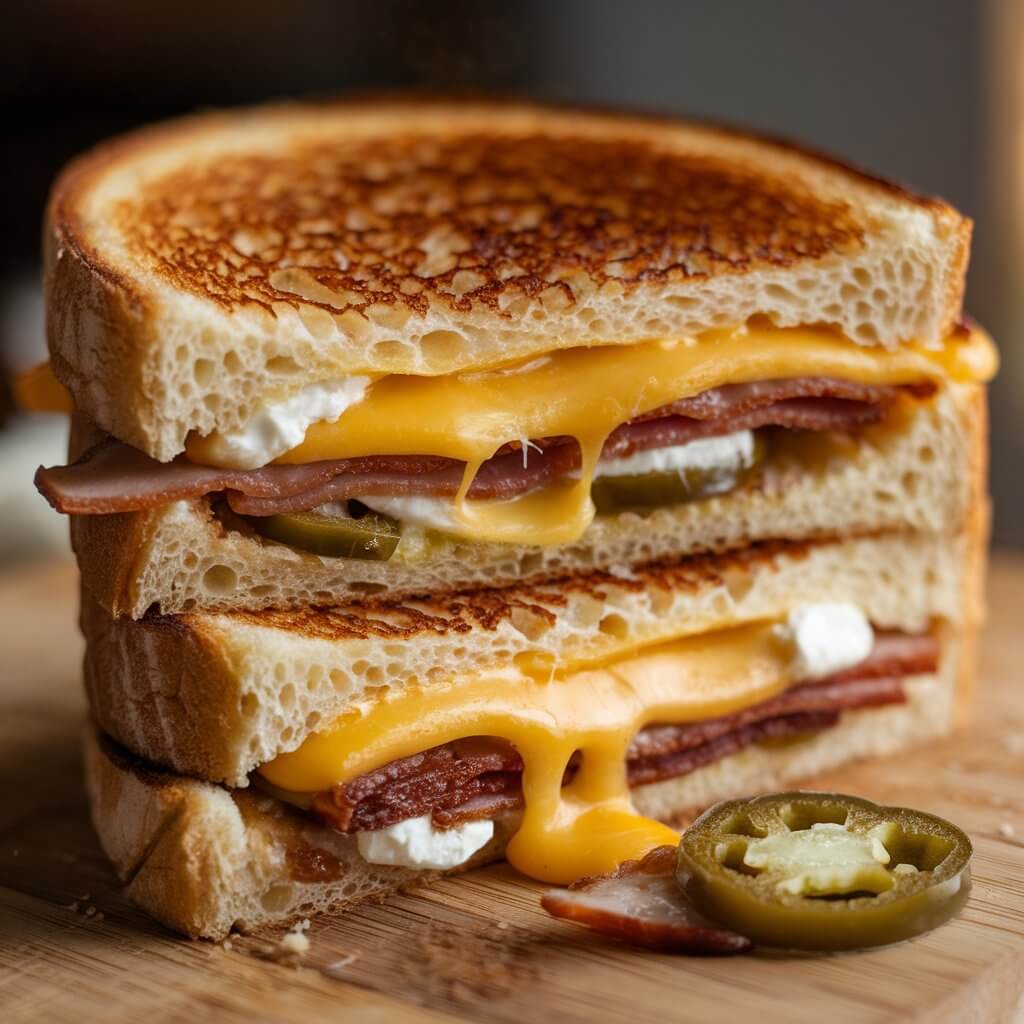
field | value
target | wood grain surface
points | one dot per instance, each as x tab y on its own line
477	947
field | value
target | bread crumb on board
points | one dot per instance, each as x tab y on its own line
1015	742
294	943
336	968
91	913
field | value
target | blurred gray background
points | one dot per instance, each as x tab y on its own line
930	92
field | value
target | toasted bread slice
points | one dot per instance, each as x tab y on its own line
215	695
925	471
205	859
196	269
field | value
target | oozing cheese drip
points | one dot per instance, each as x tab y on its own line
588	826
586	393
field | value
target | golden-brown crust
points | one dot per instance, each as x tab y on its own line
486	610
125	761
137	562
128	675
474	219
503	213
193	854
216	695
204	860
109	550
194	269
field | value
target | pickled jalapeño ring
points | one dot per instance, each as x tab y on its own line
823	871
372	536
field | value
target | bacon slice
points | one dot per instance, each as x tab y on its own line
114	477
479	777
735	399
642	904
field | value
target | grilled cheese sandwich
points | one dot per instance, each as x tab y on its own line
496	481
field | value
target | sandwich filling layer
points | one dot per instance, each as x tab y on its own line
514	452
565	746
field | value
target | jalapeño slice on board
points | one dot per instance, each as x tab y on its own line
370	536
824	871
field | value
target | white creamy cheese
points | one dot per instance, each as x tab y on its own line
280	426
731	451
415	843
432	513
826	638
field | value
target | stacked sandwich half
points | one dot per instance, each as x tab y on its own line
452	482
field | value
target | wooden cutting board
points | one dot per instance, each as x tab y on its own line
477	947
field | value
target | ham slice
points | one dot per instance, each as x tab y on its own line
508	475
479	777
642	904
114	477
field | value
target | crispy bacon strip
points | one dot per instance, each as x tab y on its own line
114	477
642	904
453	788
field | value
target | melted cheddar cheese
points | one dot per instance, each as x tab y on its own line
588	826
38	390
586	393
